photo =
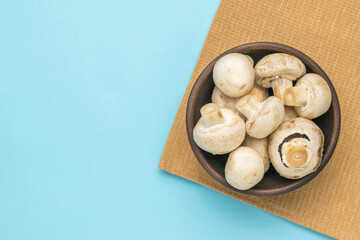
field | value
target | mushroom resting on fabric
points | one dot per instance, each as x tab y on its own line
219	130
278	70
233	74
244	168
261	146
263	118
296	148
311	96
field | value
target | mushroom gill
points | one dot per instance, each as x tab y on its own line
293	150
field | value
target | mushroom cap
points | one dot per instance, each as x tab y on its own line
244	168
318	96
296	148
223	101
261	146
250	59
290	113
233	74
278	65
267	119
220	138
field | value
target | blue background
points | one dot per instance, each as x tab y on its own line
88	94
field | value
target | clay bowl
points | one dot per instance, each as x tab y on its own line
272	184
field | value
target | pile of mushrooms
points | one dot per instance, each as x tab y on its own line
257	129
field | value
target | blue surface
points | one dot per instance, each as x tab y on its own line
88	93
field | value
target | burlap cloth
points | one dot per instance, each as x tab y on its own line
328	32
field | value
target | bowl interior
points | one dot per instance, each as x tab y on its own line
272	183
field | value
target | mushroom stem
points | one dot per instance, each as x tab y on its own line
248	106
211	114
296	157
257	93
279	85
295	96
290	114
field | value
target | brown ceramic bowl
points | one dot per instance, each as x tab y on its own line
272	183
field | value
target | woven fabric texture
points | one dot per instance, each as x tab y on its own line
328	32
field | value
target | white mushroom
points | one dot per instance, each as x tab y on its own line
244	168
222	100
296	148
290	114
278	70
233	74
263	118
261	146
219	130
311	96
259	93
250	59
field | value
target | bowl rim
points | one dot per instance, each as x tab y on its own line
277	47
